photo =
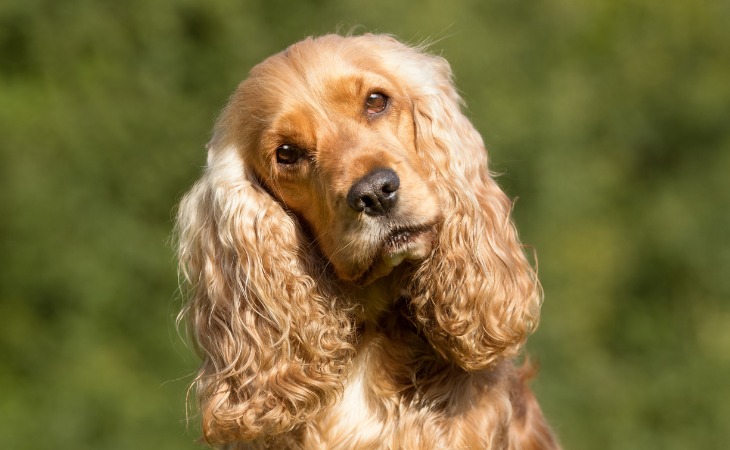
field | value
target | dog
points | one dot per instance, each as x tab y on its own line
355	279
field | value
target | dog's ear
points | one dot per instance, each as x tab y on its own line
476	297
275	342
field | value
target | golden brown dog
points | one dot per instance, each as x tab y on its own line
355	279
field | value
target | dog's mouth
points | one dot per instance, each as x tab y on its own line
399	240
402	243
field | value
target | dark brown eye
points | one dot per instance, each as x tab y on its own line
288	154
376	103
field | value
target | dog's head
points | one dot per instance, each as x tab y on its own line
334	162
327	128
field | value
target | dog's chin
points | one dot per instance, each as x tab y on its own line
406	245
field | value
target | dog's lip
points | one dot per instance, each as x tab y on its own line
400	237
393	250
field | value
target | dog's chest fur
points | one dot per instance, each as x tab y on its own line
400	395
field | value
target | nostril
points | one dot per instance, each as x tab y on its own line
366	201
376	193
391	186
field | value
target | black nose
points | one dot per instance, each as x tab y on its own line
376	193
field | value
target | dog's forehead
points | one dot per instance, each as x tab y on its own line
311	91
314	71
289	94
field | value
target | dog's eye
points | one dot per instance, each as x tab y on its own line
376	103
288	154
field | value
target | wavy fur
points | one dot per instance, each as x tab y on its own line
323	326
476	296
274	341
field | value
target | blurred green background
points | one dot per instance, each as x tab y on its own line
608	119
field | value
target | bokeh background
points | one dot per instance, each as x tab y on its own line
608	119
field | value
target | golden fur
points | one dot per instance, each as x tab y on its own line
323	326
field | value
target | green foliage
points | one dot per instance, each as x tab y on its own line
608	119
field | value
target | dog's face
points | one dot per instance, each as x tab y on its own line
331	135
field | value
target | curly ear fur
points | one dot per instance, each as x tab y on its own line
476	297
275	343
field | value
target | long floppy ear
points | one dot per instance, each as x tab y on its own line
275	343
476	297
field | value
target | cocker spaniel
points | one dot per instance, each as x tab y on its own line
355	279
